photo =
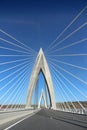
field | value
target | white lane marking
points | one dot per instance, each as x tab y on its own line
20	121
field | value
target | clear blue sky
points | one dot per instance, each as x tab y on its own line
37	21
37	24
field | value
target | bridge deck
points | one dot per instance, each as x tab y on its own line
52	120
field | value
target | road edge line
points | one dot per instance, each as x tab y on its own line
21	120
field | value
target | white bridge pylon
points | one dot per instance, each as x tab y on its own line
42	96
40	65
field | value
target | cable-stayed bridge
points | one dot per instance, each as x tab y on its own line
54	79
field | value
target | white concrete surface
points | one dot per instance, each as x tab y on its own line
41	65
42	96
9	116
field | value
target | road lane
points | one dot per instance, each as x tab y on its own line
9	118
52	120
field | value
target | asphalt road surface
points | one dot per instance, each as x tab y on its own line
52	120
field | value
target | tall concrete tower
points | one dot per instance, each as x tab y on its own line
41	65
44	98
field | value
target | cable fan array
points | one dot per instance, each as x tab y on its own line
67	59
16	61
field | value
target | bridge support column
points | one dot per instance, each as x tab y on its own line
41	65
